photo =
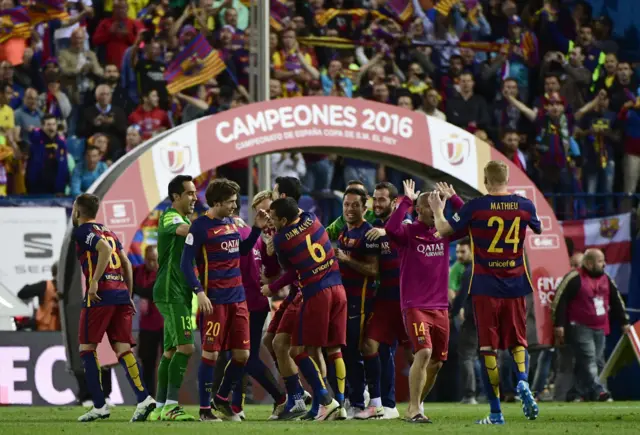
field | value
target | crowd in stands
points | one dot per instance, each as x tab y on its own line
540	81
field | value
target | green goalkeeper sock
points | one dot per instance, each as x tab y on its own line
163	379
177	369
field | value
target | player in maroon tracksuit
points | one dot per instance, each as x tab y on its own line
107	306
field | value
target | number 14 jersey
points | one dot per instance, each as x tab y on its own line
112	288
305	247
497	226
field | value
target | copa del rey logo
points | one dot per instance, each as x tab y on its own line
176	157
455	149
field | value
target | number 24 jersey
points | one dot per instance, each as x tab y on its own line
112	287
497	226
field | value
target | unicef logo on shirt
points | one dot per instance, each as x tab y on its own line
455	149
176	157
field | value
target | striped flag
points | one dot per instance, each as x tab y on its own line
279	11
612	235
42	11
401	10
14	23
195	64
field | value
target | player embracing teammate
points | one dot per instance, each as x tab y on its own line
497	224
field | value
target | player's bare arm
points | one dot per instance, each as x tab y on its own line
104	254
368	267
436	201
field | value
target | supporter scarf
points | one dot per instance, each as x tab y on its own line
599	144
291	63
525	50
14	23
197	63
51	105
42	11
323	17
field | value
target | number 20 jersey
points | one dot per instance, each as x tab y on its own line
305	247
497	226
112	287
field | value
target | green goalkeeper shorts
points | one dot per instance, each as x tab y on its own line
178	328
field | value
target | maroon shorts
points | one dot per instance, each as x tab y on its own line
501	322
226	328
115	320
277	316
385	324
289	319
428	329
322	319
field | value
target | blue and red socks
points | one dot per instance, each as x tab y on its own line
134	375
92	374
491	379
205	382
232	375
312	374
372	371
294	390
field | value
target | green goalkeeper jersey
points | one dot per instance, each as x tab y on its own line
170	286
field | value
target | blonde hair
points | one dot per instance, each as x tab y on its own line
261	196
496	172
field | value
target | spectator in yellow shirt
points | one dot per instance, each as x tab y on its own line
291	65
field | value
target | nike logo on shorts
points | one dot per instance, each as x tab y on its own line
217	231
245	341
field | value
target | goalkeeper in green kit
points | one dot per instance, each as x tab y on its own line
173	298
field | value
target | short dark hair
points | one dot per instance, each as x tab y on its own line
177	185
353	182
88	205
220	190
465	242
285	208
509	130
467	73
47	117
393	190
356	191
91	148
290	186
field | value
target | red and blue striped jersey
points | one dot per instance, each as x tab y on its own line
216	246
305	247
497	226
354	243
112	287
389	275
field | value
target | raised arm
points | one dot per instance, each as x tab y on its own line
528	112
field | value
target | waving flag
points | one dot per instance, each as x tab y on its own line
612	235
279	11
14	23
42	11
401	10
195	64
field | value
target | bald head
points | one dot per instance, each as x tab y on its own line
594	261
576	260
151	257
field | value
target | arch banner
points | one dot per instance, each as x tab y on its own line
352	127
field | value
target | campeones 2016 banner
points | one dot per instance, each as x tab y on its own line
366	128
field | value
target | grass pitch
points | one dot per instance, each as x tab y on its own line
555	418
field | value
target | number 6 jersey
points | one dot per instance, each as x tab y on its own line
305	248
497	225
112	287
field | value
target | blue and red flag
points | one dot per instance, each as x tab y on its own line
42	11
14	23
197	63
